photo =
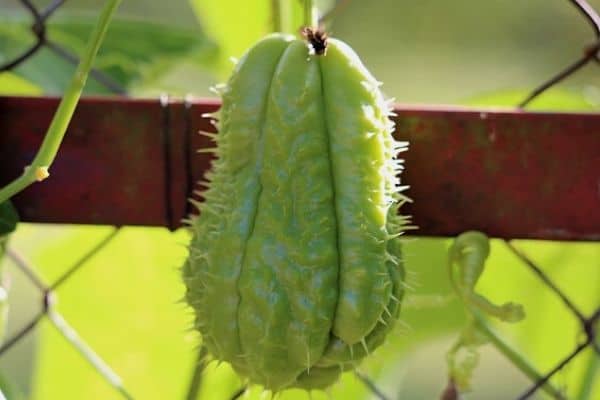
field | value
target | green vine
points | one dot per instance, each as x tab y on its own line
466	262
39	168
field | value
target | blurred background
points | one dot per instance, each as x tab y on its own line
430	51
124	301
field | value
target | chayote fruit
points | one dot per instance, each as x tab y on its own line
295	270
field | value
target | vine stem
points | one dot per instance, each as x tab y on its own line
592	369
469	253
311	14
196	381
589	381
516	359
38	170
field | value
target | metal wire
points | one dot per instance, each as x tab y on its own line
48	311
39	30
591	53
588	324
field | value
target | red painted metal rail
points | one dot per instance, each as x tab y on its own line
510	174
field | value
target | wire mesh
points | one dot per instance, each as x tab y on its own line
39	31
588	323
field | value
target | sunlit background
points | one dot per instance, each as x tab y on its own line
125	301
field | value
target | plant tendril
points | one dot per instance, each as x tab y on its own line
466	263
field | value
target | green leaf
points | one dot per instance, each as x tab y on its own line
552	100
233	27
236	28
8	218
8	223
14	85
133	51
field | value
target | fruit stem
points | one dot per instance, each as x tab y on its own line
38	170
311	14
196	381
276	15
283	16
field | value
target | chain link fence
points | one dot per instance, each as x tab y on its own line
41	40
588	323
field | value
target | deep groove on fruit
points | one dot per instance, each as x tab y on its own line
333	198
260	189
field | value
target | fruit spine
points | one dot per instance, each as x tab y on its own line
295	270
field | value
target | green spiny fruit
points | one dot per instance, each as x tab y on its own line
295	269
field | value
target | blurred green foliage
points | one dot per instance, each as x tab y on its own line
8	223
554	99
133	52
14	85
124	302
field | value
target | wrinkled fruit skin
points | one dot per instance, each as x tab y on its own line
295	269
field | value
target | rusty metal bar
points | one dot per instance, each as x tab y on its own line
511	174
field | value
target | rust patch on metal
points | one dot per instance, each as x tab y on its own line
511	174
